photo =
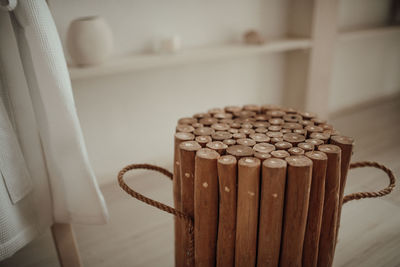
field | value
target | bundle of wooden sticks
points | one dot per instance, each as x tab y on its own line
264	185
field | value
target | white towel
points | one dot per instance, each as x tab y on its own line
75	192
45	174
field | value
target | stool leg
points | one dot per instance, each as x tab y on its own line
67	250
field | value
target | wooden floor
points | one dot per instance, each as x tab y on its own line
138	235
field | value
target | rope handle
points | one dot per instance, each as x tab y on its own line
185	217
380	193
189	220
145	199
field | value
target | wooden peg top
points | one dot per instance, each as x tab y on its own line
227	160
261	120
313	129
245	114
187	120
247	131
274	128
220	126
247	125
216	145
233	109
261	155
307	115
207	153
306	146
184	136
223	116
240	151
306	123
292	118
221	135
270	107
298	161
229	142
280	154
292	125
340	139
264	148
328	148
246	142
201	115
184	128
283	145
227	121
276	113
249	162
275	140
318	121
190	146
254	108
285	131
259	137
203	139
261	130
204	131
296	151
274	134
293	138
197	125
274	163
332	132
300	131
215	110
315	142
326	126
276	121
208	121
236	125
322	136
316	155
263	123
239	135
289	110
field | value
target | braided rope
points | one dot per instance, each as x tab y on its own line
187	219
380	193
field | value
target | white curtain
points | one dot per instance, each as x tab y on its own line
38	113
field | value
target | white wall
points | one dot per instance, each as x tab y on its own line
366	68
131	117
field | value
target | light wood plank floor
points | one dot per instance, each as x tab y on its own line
138	235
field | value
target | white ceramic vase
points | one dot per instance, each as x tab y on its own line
90	40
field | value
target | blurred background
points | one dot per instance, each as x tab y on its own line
116	100
170	59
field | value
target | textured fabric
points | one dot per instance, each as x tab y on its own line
38	108
23	220
19	221
75	193
8	5
12	164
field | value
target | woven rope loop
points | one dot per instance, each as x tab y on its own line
188	219
380	193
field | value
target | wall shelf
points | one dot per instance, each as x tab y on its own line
137	62
349	35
